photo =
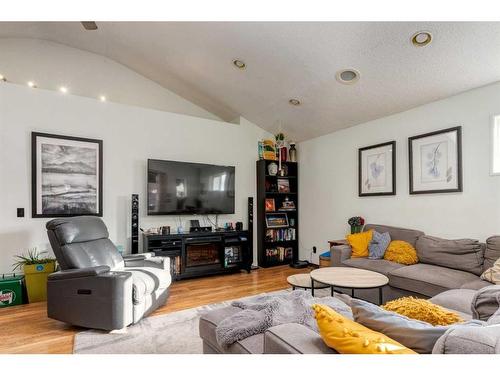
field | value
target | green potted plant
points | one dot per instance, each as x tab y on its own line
36	267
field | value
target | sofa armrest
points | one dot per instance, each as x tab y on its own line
78	273
162	263
486	302
338	254
141	256
293	338
102	301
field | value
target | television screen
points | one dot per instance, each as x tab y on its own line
176	188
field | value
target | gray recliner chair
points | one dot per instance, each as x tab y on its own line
96	287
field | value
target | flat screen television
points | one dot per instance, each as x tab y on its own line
179	188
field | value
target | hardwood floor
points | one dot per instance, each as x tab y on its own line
27	329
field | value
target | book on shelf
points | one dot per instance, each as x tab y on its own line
285	234
279	254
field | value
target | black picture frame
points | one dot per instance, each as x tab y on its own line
459	188
360	170
34	175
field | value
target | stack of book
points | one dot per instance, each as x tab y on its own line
274	235
279	254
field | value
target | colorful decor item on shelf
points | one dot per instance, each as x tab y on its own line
356	223
270	205
272	169
283	185
279	254
276	235
269	149
283	172
277	220
287	205
261	150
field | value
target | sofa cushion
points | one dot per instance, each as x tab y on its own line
378	265
146	280
492	252
475	284
456	299
427	279
469	340
401	234
414	334
401	252
464	254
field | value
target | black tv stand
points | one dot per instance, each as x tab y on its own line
202	253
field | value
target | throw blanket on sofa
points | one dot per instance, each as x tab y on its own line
261	312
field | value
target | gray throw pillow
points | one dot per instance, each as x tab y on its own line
414	334
378	245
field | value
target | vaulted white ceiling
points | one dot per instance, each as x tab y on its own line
293	60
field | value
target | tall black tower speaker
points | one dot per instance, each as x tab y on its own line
135	224
250	229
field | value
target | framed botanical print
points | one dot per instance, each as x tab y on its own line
66	176
436	162
377	170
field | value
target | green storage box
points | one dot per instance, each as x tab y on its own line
11	290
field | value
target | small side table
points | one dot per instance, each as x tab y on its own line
337	242
304	281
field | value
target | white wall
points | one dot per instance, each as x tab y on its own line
328	175
131	135
51	65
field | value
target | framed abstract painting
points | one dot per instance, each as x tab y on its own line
66	176
377	170
436	162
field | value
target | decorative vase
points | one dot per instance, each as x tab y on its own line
292	152
356	229
272	169
36	276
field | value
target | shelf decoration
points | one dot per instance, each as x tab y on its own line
270	205
277	220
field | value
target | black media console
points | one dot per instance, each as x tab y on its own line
203	253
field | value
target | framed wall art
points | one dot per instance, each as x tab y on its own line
377	170
66	176
436	162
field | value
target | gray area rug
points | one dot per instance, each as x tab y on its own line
174	333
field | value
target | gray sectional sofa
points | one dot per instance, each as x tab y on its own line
448	273
443	264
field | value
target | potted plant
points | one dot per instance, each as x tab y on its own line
356	223
36	267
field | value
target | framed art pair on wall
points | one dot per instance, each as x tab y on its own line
435	165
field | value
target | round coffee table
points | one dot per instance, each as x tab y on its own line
303	281
351	278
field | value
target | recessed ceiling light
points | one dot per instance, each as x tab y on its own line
63	89
294	102
32	84
421	38
240	64
347	76
2	78
102	98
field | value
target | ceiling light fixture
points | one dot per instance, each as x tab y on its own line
240	64
347	76
102	98
63	89
421	38
294	102
2	78
32	84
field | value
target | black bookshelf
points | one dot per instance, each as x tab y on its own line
277	246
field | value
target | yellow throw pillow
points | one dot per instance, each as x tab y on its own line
348	337
359	243
401	252
421	309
